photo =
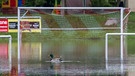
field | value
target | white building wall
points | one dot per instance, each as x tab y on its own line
131	5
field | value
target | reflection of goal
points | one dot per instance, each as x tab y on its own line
5	64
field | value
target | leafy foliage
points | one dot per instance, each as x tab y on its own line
30	3
100	3
46	3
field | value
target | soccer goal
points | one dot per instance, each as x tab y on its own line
121	34
78	22
6	54
73	18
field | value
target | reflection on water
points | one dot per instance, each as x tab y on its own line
80	58
30	52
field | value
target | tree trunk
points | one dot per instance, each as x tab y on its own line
63	4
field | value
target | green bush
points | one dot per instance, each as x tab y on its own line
100	3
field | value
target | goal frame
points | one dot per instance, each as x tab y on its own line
10	49
70	8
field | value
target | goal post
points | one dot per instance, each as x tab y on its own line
9	49
121	47
124	20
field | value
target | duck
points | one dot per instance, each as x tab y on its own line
55	60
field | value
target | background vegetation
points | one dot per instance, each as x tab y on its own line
38	3
100	3
50	3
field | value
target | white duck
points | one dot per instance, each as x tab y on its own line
55	60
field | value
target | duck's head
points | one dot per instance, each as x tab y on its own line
51	56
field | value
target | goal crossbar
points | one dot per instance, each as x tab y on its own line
28	8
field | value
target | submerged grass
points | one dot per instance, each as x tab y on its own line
82	34
131	29
76	22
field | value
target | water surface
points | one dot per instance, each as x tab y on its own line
80	57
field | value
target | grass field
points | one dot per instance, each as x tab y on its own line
75	22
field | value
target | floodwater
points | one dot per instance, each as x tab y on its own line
81	57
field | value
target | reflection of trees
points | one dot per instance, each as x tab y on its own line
30	52
13	71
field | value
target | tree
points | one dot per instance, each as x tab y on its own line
49	3
45	3
30	3
100	3
40	2
0	3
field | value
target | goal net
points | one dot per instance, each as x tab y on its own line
70	22
73	18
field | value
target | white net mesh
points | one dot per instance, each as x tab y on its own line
74	19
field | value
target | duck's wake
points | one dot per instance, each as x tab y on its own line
66	61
